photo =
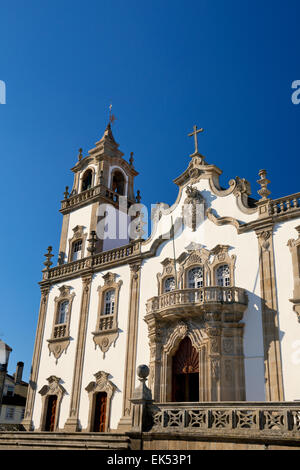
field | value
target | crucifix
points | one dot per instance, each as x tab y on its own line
196	131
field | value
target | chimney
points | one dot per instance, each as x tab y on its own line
19	372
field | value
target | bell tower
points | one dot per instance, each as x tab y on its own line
103	187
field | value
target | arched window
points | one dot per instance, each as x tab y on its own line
76	250
196	277
62	314
118	182
109	302
169	284
223	275
87	180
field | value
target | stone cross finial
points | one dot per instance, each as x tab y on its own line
263	182
195	134
80	154
131	159
138	196
66	193
48	256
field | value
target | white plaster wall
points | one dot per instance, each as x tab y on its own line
117	228
64	368
289	328
245	247
114	361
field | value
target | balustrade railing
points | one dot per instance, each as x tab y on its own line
60	331
106	257
202	295
235	417
106	323
98	190
285	204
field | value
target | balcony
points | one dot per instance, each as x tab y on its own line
90	195
97	262
212	301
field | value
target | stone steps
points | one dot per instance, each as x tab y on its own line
63	441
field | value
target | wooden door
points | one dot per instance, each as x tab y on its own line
51	413
100	412
185	373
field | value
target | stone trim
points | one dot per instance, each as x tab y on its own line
78	234
222	257
131	345
168	271
60	337
92	169
294	246
219	342
102	384
106	334
195	258
72	423
53	388
27	421
270	321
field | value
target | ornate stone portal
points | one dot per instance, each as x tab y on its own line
102	384
210	316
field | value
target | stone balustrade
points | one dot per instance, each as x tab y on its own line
285	204
96	262
236	417
88	195
201	296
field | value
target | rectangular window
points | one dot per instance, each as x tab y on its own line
77	247
10	413
10	391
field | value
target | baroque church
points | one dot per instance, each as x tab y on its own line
210	301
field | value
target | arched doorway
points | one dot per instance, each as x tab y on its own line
51	413
185	373
100	412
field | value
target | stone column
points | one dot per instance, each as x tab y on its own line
72	423
132	330
270	324
27	421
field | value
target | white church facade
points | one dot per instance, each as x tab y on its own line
210	301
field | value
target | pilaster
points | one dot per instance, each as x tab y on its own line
27	421
131	347
270	323
72	423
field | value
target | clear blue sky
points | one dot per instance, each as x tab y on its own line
225	65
